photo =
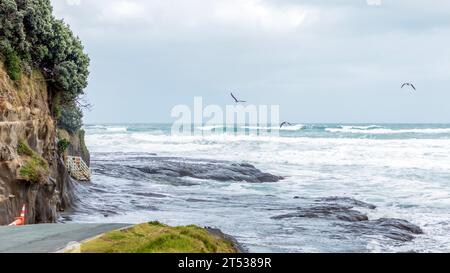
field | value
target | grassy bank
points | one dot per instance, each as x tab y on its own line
158	238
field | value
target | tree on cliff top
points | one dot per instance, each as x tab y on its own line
29	31
12	29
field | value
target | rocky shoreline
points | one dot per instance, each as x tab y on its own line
217	232
341	218
343	211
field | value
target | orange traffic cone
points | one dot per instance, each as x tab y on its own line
20	221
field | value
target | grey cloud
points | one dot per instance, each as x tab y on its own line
345	65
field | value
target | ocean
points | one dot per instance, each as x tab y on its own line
387	172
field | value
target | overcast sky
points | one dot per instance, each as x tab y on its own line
321	61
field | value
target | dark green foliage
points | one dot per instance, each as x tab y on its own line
63	144
37	22
57	110
70	119
13	65
69	64
12	61
12	31
36	38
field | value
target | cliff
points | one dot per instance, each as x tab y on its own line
77	145
31	171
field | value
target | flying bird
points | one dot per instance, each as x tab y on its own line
236	100
409	84
285	124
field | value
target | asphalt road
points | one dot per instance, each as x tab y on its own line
48	238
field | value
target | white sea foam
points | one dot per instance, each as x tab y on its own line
368	127
210	128
116	129
284	128
94	127
396	153
385	131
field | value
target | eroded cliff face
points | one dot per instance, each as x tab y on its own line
25	116
77	145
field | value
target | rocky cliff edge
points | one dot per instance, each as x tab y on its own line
28	142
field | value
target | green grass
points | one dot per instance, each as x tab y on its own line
23	149
158	238
35	169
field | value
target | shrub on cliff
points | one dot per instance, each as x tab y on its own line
23	149
12	62
35	168
63	144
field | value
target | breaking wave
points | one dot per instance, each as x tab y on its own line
385	131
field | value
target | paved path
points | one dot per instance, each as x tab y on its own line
48	237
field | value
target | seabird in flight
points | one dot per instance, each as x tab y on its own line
285	124
409	84
236	100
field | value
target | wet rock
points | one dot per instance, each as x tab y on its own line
341	211
346	201
218	233
117	171
174	169
338	212
195	200
147	207
398	224
210	171
340	208
150	194
395	229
